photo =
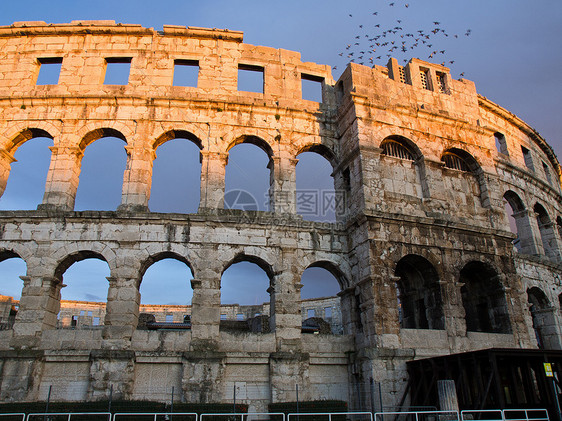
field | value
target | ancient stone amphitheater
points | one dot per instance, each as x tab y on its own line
430	171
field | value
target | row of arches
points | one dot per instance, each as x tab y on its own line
523	222
249	280
175	175
420	301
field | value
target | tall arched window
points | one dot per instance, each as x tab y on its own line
465	185
316	196
404	174
544	322
245	295
84	288
176	175
483	298
248	175
101	173
11	268
165	289
546	230
419	294
319	301
519	223
26	183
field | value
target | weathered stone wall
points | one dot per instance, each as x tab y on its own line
423	251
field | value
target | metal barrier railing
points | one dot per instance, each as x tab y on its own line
348	415
525	415
465	415
68	416
482	414
156	416
244	416
15	416
418	415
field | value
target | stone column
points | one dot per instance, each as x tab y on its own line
39	306
453	312
283	187
447	395
205	311
137	179
213	168
286	318
286	371
111	368
122	310
6	159
527	241
62	178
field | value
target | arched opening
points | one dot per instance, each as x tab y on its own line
28	175
546	231
176	174
404	172
483	299
518	222
419	294
84	287
465	184
317	199
245	295
559	227
165	289
320	305
248	175
544	323
101	173
11	268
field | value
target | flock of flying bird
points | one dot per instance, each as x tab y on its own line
375	43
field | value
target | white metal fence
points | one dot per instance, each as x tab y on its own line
465	415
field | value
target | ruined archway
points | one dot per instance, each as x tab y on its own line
81	277
544	324
28	173
101	171
419	294
483	298
546	230
519	222
248	175
176	173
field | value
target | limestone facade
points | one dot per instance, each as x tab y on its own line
422	248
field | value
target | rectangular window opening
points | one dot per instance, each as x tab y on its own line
441	83
117	70
169	318
527	158
311	87
424	76
240	316
328	312
186	73
250	78
501	144
49	71
223	316
96	321
310	313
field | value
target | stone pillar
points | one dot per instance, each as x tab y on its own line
122	311
286	371
6	159
213	168
205	311
39	306
283	187
203	376
453	311
62	178
111	368
286	318
137	179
